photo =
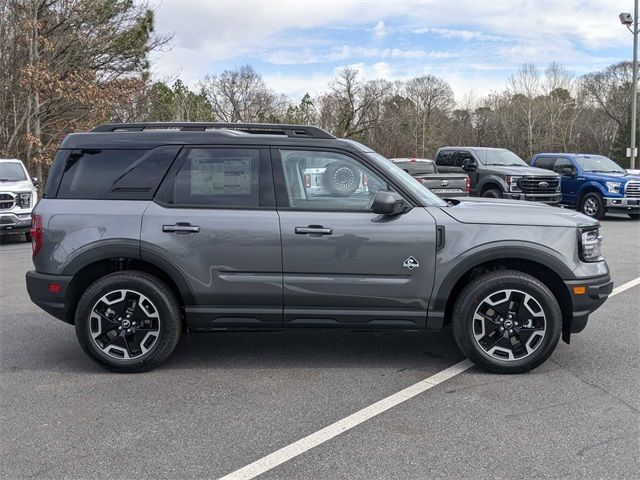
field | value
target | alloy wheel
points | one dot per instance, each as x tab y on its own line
509	325
590	206
124	324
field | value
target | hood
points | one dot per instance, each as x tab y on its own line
506	170
19	186
491	211
613	177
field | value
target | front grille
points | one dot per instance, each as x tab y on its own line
632	190
532	184
6	200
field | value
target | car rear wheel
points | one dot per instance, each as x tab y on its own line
507	321
492	193
592	205
128	321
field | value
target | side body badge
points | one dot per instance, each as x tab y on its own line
411	263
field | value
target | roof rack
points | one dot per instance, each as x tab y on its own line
255	128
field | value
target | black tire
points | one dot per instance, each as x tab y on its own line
492	193
163	304
465	327
634	216
592	205
341	178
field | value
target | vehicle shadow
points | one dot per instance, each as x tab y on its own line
317	348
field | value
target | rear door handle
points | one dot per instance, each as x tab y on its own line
314	230
181	227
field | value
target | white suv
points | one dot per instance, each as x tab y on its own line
18	195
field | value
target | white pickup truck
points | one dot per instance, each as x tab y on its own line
18	195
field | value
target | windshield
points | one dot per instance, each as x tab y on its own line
598	163
407	181
11	172
499	156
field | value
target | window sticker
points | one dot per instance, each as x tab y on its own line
231	176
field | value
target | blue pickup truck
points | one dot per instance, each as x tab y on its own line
593	184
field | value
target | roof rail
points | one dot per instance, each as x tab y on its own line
256	128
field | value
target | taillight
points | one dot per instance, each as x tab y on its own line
307	181
467	187
36	233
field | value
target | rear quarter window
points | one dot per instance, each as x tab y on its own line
115	174
545	162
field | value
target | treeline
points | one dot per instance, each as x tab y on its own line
68	65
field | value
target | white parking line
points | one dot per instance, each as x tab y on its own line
327	433
625	286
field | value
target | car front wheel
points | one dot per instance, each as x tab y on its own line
492	193
507	321
128	321
592	205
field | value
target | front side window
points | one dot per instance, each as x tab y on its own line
461	157
562	164
219	177
317	180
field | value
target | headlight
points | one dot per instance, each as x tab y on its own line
613	187
590	245
512	180
24	200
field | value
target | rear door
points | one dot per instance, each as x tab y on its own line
343	264
214	219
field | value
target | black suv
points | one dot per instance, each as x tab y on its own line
146	230
500	173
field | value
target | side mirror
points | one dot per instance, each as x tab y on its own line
568	171
35	181
389	203
468	165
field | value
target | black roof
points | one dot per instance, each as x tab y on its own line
148	135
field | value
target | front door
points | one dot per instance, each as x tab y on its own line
215	220
342	263
568	183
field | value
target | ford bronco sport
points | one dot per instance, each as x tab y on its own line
147	230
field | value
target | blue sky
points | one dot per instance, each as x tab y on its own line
475	45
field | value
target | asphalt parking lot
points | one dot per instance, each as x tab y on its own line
225	400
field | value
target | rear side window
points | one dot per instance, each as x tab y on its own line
219	177
115	174
445	158
545	162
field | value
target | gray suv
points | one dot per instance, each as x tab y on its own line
500	173
148	230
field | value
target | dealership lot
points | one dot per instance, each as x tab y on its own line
225	400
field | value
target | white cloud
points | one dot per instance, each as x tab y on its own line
379	30
582	34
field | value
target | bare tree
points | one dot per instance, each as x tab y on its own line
240	95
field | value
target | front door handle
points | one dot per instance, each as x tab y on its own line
181	227
314	230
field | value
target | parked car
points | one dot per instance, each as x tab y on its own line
593	184
442	184
144	232
500	173
18	195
